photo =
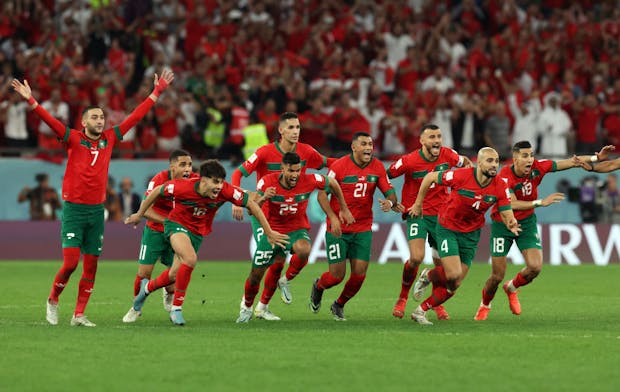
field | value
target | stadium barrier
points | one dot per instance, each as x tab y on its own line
565	243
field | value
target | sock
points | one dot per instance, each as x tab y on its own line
271	282
487	297
438	276
519	281
162	280
250	292
136	285
327	280
87	283
437	297
409	274
351	288
184	274
71	258
295	266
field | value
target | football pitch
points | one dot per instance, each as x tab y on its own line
567	338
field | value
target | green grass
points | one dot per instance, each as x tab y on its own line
567	338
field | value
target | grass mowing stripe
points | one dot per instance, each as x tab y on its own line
567	338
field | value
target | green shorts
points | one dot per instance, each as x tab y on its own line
154	246
454	243
264	254
171	228
502	238
82	227
422	227
348	246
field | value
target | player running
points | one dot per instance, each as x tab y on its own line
473	192
523	178
196	201
84	190
359	175
431	157
285	197
265	160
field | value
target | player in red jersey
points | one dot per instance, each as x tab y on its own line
154	245
523	178
359	175
84	189
473	192
265	160
196	200
431	157
285	197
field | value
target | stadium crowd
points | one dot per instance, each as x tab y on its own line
487	72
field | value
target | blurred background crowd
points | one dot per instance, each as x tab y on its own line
488	72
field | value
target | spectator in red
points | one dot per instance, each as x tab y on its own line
268	116
166	114
588	113
347	121
315	124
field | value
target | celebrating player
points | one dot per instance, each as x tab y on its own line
84	190
196	202
154	244
474	191
285	196
359	175
523	177
265	160
431	157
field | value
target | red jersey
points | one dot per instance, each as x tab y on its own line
414	166
86	175
526	187
286	211
268	159
196	212
358	185
163	205
468	201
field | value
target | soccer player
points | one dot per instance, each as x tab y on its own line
359	175
285	197
83	190
196	200
431	157
265	160
474	191
154	244
523	178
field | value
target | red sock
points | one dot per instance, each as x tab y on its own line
295	266
250	292
351	288
409	274
162	280
327	280
271	282
85	288
519	281
71	258
438	276
184	274
438	296
487	297
136	285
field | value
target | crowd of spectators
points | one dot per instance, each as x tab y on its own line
487	72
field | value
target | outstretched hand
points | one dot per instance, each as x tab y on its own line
579	163
605	151
161	82
514	226
552	199
133	219
415	210
22	88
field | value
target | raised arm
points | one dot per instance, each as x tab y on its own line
25	91
160	84
588	160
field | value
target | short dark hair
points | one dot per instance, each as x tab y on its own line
212	168
89	107
175	154
432	127
291	158
357	135
522	144
40	177
287	116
